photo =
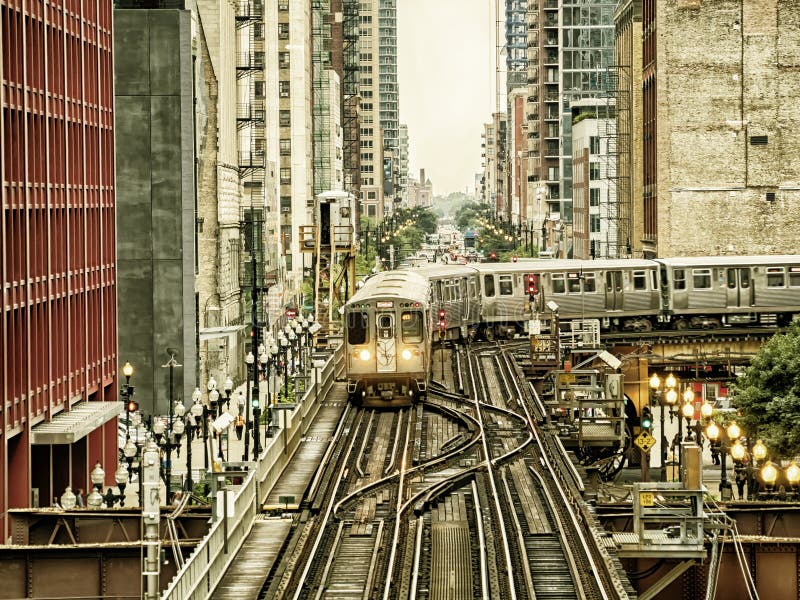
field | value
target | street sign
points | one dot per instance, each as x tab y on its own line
647	498
645	441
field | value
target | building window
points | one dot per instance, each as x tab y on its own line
286	175
286	203
594	223
258	89
370	210
594	171
372	195
283	89
594	197
283	60
285	118
283	31
286	147
594	145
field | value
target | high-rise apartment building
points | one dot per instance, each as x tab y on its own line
543	111
516	31
387	75
58	334
371	133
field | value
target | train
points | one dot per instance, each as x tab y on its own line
391	320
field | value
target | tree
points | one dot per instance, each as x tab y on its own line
768	394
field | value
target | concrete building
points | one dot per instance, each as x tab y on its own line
58	334
295	135
721	168
371	138
156	217
518	156
344	51
234	175
404	164
594	222
328	139
420	193
628	61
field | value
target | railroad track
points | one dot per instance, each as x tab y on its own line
456	497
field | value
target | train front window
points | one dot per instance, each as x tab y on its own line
385	326
357	328
411	322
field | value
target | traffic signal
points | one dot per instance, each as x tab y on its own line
647	418
533	286
514	258
493	257
442	320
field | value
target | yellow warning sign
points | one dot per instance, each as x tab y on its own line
647	499
645	441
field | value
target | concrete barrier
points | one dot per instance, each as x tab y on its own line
205	567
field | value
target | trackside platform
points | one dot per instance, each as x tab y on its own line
248	571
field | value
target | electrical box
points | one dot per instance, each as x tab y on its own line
691	466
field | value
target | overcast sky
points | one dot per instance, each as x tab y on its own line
446	77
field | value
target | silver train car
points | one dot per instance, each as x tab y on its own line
391	321
388	325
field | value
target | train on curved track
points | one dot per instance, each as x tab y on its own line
391	321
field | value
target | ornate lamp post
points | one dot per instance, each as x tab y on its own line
724	437
196	412
95	500
272	357
285	365
250	360
666	397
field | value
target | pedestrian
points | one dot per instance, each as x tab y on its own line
714	453
79	498
238	424
741	480
240	402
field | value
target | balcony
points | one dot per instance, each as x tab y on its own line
250	111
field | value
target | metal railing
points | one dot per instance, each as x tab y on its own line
211	558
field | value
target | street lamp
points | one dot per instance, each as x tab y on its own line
196	412
94	499
250	360
284	365
68	499
667	398
725	437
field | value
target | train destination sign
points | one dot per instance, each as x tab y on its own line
384	304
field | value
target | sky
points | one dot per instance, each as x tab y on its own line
446	77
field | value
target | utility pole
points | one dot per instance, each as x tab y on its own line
151	516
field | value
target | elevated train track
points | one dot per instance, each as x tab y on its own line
458	497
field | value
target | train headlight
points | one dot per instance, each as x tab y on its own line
364	354
406	354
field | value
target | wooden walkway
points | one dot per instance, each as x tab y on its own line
249	570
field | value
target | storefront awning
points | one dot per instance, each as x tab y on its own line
69	426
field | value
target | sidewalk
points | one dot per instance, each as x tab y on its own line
205	453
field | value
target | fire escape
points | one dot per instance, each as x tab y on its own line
351	133
250	123
614	133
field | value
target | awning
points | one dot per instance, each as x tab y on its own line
69	426
214	333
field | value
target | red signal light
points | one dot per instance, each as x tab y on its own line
514	258
533	285
442	320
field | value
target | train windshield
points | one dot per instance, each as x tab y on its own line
412	326
357	327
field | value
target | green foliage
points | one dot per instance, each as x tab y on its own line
584	115
768	394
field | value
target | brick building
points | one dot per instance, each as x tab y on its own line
721	168
58	334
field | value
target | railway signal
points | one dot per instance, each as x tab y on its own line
533	287
442	323
647	419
